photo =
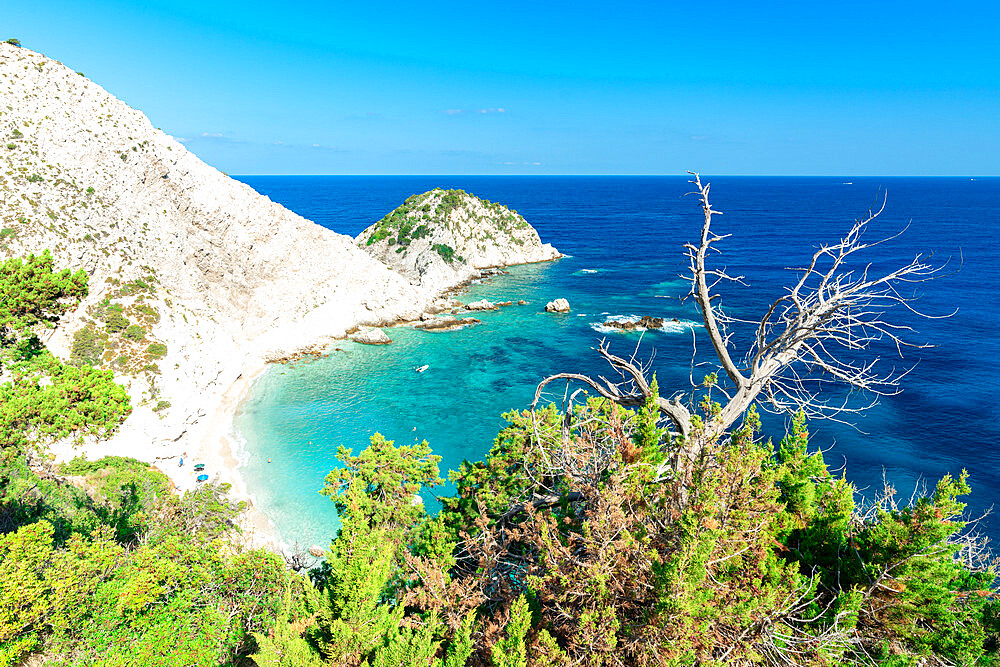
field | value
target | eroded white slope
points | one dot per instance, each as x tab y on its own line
236	277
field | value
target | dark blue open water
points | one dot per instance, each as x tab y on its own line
625	236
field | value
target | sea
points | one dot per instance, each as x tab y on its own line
624	238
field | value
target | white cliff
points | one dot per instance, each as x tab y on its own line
196	280
221	276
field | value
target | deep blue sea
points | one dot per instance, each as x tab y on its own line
624	238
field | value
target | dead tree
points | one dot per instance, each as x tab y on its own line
815	331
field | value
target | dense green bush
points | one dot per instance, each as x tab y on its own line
88	347
114	318
446	251
33	294
135	332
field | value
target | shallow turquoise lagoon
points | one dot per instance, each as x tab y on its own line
297	415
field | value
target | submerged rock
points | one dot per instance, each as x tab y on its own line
445	323
557	306
316	550
371	337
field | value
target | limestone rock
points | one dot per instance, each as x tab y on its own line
482	304
316	550
446	323
371	337
557	306
444	237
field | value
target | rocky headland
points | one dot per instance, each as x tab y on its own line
444	238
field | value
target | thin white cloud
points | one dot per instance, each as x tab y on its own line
455	112
214	135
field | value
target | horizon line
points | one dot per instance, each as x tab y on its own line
589	175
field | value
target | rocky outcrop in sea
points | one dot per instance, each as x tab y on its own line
446	237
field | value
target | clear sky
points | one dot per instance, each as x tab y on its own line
513	87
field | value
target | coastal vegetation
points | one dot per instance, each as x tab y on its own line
100	562
618	527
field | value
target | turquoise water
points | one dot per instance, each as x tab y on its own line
299	414
625	238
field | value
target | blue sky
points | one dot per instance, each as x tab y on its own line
847	88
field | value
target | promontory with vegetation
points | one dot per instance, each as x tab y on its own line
623	525
444	237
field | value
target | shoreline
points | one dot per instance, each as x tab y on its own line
219	449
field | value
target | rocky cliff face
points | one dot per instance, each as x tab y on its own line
192	275
444	237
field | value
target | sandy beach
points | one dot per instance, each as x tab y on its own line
218	450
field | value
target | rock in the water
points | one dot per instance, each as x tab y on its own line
522	302
316	550
645	322
445	323
444	237
557	306
482	304
371	337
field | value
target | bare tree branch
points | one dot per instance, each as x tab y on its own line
817	331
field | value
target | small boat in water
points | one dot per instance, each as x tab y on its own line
421	369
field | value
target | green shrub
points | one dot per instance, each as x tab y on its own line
446	251
156	350
7	231
161	405
147	312
90	190
88	346
14	42
135	332
114	320
11	146
35	178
